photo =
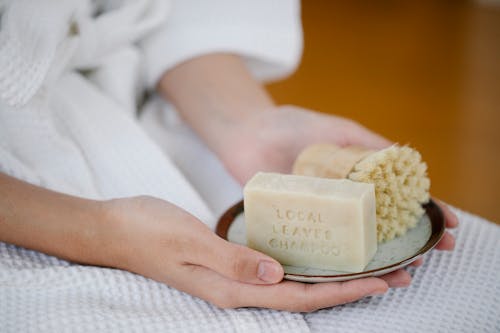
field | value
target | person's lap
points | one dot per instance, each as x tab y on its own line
453	290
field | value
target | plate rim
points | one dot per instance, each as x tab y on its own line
432	210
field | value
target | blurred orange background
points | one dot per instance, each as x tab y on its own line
426	73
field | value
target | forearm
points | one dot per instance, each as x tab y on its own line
214	93
50	222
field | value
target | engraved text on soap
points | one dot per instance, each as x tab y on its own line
299	230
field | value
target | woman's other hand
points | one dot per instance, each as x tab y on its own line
158	240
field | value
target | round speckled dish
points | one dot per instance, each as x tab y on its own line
390	255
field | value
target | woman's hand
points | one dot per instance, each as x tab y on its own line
271	140
158	240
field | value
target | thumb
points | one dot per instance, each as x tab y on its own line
238	262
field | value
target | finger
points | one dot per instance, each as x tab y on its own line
447	242
450	218
418	262
301	297
397	279
235	261
357	134
287	295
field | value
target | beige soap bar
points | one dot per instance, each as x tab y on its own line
311	222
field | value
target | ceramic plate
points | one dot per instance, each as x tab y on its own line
389	257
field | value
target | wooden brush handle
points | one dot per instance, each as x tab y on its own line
328	160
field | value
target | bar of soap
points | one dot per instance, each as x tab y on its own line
311	222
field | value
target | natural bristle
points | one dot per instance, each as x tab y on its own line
401	186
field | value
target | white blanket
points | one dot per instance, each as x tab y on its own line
452	292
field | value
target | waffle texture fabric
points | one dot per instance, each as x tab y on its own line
75	77
455	291
71	77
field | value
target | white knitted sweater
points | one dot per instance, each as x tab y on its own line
69	85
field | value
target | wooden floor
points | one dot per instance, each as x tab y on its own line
425	73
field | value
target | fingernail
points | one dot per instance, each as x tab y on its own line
269	271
